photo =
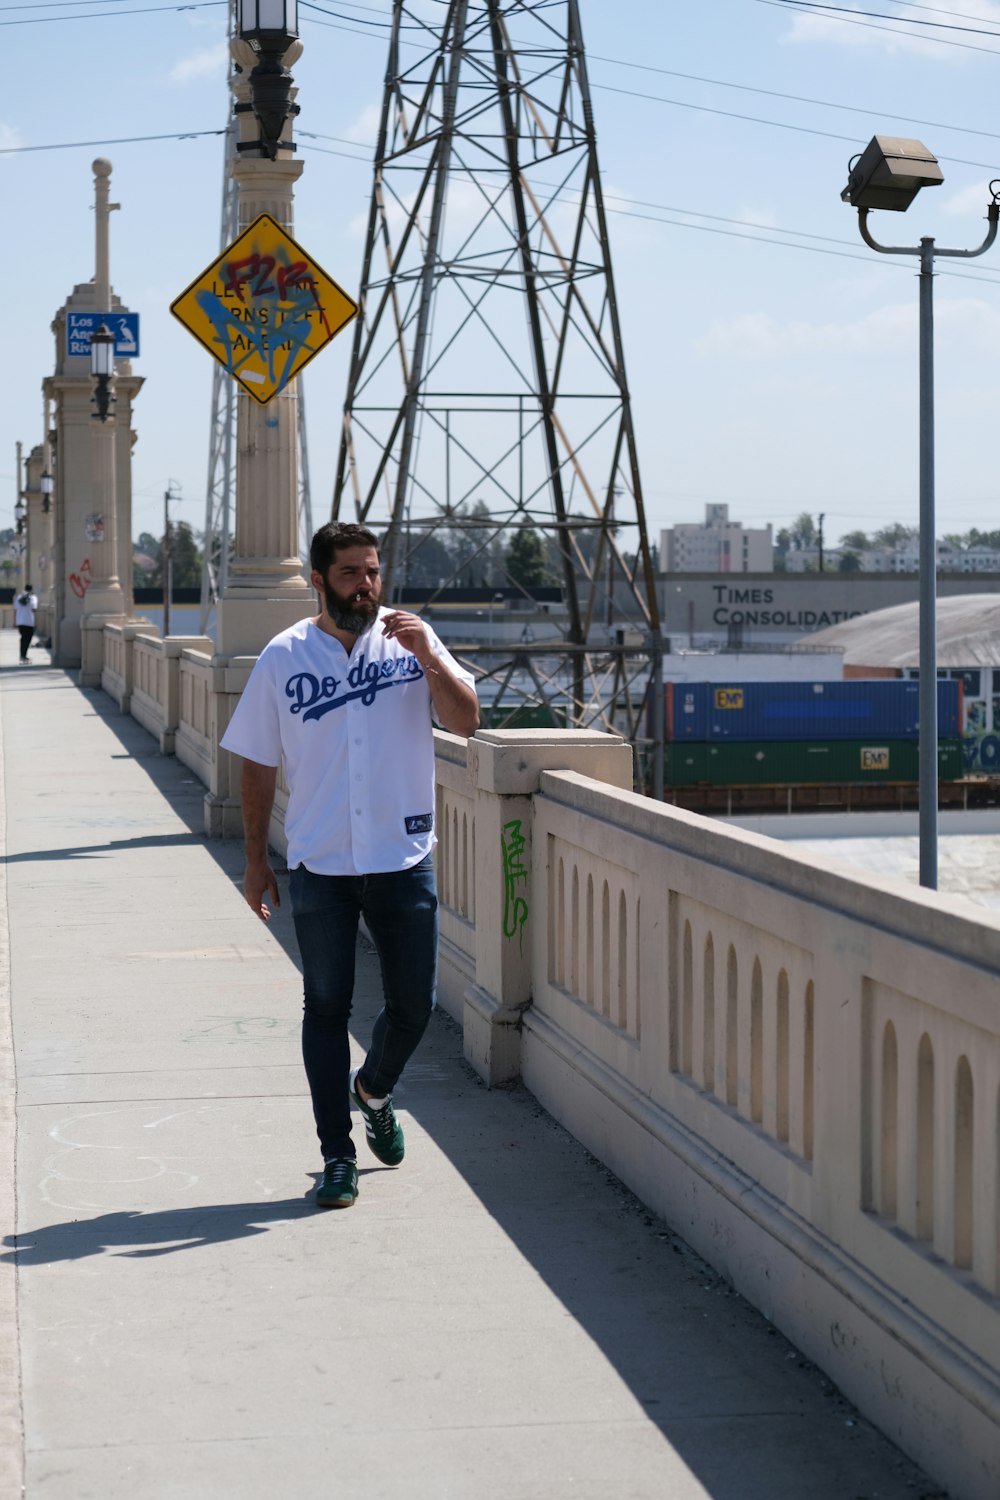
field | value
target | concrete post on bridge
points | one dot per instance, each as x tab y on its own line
266	590
505	767
92	496
33	560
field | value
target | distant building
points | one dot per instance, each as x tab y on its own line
717	546
906	559
902	559
806	560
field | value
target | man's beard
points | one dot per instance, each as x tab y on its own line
349	614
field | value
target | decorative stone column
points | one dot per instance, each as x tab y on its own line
80	492
34	529
104	600
505	766
47	560
266	590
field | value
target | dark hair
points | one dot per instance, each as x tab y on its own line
334	537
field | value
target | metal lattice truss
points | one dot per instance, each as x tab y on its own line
487	392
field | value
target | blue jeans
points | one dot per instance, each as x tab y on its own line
400	911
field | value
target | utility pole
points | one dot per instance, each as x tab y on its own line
172	492
820	538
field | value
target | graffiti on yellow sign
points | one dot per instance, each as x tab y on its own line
264	309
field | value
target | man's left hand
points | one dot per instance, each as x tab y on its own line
409	631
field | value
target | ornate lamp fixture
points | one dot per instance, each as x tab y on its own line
45	483
271	27
102	367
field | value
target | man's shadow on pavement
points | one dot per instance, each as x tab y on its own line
141	1236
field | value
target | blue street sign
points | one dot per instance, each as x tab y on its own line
124	326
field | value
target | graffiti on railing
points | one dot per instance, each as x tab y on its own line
515	904
80	582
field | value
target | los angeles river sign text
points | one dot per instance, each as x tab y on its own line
264	308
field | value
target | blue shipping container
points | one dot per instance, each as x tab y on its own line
890	707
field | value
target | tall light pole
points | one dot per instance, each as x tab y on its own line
888	174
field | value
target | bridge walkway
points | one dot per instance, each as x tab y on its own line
497	1318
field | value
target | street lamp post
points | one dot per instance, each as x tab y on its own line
888	174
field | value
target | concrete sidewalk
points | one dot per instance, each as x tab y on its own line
496	1318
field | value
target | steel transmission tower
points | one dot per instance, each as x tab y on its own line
220	491
487	424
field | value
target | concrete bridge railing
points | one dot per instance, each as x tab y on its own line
798	1069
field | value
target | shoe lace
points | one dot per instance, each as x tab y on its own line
384	1118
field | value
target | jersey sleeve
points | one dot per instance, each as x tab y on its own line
440	650
253	730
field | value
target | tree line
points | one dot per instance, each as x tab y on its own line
465	550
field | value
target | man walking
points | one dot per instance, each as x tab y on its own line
343	702
25	606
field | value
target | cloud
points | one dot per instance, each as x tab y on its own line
971	322
890	37
10	136
201	64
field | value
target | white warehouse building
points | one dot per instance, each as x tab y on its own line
717	546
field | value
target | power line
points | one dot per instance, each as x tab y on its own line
122	140
727	114
793	98
879	15
101	15
936	41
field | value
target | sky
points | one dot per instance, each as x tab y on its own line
772	358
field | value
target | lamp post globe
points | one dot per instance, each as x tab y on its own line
102	367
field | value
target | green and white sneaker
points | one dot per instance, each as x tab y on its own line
339	1187
384	1132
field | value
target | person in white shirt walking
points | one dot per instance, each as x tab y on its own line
25	605
344	702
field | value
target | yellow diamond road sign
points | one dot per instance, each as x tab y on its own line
264	308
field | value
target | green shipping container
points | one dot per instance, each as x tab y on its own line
522	716
803	762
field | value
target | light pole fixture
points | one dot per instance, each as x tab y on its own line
270	27
888	174
102	368
45	484
19	513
